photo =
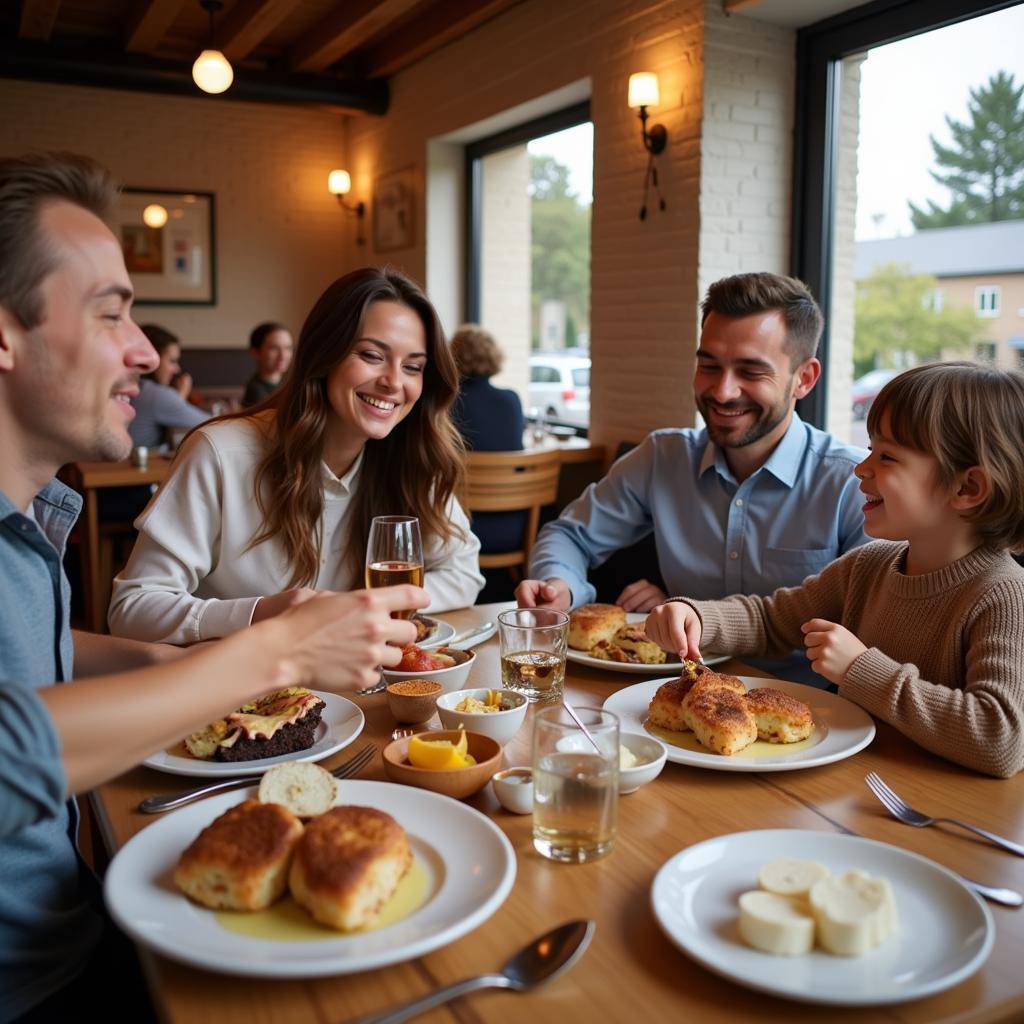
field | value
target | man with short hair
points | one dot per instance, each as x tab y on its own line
755	500
270	345
70	361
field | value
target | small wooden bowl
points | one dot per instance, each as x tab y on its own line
458	782
413	707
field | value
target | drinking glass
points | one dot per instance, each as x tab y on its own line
575	784
533	643
394	554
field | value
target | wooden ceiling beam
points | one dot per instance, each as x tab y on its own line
149	25
351	25
37	18
439	26
248	24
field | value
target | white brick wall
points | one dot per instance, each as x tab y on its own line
280	235
505	286
746	152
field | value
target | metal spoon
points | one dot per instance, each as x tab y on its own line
544	958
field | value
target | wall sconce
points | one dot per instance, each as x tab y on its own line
339	183
211	71
644	93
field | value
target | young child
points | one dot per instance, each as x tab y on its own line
925	627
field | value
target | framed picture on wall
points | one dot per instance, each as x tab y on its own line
394	210
169	246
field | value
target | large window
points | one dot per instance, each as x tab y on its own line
530	196
900	228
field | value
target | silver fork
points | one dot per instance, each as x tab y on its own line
169	801
898	808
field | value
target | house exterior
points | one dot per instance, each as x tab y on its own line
978	265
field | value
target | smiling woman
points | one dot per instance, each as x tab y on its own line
278	499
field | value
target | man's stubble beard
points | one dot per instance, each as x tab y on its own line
766	422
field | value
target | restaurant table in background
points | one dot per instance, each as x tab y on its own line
88	478
631	969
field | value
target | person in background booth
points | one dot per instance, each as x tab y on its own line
490	419
162	403
265	507
270	346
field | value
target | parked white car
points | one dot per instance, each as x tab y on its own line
560	388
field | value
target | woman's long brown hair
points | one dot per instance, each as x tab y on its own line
413	471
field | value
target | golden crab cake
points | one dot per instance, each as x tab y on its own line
707	681
240	861
780	718
666	708
720	720
638	647
348	865
591	623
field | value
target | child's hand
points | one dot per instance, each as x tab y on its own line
832	648
675	627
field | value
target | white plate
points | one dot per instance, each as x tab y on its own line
475	641
944	935
340	723
840	729
582	658
469	863
444	632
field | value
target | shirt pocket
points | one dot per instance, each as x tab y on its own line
788	567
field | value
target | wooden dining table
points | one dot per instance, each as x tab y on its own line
631	969
89	478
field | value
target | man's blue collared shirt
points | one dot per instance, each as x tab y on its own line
47	928
714	536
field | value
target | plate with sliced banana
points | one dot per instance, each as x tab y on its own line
821	917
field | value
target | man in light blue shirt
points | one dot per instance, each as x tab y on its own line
755	500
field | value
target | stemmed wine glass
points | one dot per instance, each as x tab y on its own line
394	554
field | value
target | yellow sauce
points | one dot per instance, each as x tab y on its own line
286	921
757	749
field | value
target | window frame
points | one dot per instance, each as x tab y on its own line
548	124
820	49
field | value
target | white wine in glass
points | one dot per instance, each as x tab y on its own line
394	554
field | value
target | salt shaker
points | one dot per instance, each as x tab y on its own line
140	456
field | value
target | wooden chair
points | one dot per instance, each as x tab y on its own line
511	482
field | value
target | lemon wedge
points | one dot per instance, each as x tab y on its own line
439	755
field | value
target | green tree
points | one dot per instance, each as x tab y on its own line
560	243
984	166
894	322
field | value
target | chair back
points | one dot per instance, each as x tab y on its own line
511	482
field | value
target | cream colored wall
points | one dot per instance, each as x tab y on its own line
280	236
643	275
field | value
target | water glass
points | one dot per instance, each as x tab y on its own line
533	645
575	784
